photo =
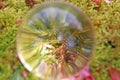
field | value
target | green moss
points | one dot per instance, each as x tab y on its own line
104	17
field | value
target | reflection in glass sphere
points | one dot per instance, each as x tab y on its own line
55	40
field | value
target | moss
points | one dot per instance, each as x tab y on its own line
104	17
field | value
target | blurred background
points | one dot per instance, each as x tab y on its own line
104	15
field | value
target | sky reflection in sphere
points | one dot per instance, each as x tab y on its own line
55	40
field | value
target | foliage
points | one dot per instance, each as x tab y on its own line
104	17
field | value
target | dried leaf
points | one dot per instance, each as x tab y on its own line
114	74
97	1
2	6
90	77
30	3
19	21
24	73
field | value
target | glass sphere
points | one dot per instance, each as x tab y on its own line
55	40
